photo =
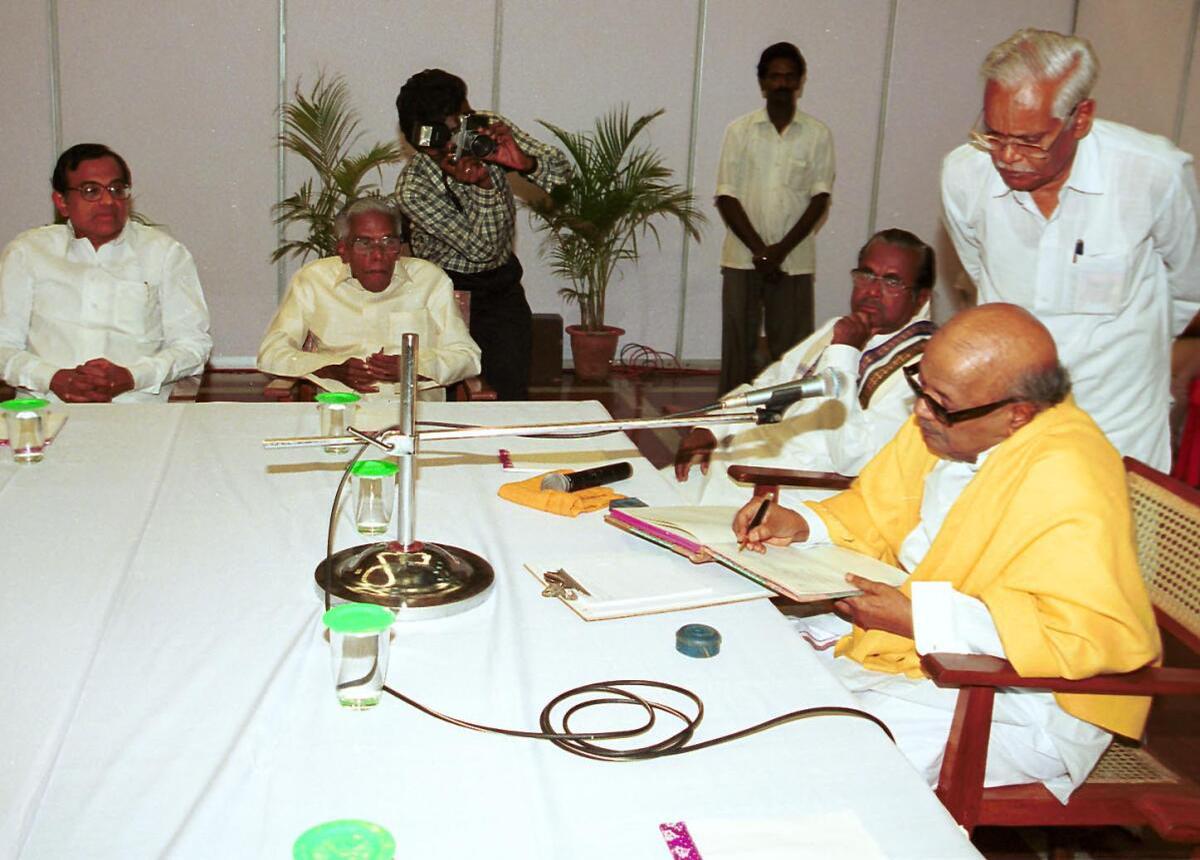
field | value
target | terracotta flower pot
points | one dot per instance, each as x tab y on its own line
593	351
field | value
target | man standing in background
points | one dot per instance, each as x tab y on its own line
773	186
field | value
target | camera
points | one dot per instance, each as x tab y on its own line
467	139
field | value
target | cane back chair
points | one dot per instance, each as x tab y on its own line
1130	785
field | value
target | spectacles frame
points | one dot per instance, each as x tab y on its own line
940	412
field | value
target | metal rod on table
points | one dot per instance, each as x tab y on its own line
566	428
406	453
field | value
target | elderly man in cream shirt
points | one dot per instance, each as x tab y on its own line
343	317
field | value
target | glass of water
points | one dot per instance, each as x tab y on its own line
358	636
374	495
337	413
24	421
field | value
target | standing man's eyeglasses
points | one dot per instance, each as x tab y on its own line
93	191
940	412
989	141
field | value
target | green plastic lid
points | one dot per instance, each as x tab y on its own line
374	469
24	404
358	618
346	839
342	397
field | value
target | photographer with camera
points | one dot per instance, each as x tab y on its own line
456	195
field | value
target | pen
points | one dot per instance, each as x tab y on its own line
756	520
1078	250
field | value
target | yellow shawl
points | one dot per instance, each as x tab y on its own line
1043	535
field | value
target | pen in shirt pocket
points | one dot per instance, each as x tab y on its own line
1078	251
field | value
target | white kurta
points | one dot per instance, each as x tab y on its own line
135	301
347	321
774	177
823	435
1032	738
1114	272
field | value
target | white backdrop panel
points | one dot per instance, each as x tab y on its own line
1189	136
25	135
843	45
570	64
186	93
1143	46
934	96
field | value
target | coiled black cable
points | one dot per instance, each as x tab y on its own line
597	694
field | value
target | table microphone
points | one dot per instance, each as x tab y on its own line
569	482
827	383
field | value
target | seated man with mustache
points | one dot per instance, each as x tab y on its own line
885	330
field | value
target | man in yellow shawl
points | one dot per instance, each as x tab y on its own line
1008	507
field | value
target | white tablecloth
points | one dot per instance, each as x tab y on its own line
166	687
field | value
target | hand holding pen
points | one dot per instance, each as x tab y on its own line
760	523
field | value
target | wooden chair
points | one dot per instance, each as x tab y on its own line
768	481
473	388
1130	786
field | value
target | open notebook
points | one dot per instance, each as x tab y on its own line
801	572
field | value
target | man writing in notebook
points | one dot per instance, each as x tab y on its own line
1008	508
885	330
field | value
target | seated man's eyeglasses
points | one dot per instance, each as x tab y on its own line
983	138
940	412
384	244
93	191
865	277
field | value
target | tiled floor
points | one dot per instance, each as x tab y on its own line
1174	723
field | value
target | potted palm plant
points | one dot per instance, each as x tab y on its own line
618	194
322	127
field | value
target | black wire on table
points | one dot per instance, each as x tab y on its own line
603	693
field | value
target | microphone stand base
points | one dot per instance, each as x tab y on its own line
422	581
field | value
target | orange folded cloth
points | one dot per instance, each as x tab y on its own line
530	493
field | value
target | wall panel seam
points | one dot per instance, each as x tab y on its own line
280	154
1189	54
690	178
55	82
881	130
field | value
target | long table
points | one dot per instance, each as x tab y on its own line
167	686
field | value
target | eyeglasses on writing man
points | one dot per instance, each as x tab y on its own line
940	412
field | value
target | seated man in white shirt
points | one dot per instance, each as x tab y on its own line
885	330
343	317
1008	508
100	308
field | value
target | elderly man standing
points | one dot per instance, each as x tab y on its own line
1090	225
100	308
885	330
1008	508
343	317
773	185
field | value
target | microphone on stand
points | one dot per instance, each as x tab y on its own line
827	383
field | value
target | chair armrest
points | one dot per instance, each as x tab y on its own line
186	390
975	670
280	388
789	477
474	388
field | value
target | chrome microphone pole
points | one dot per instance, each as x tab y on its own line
406	458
